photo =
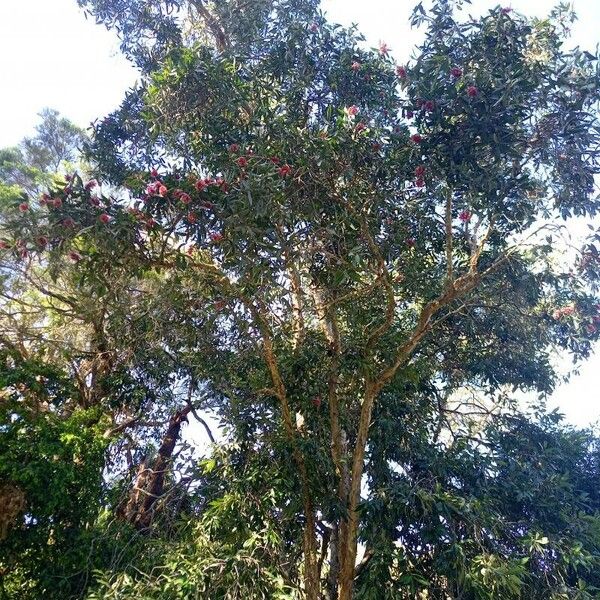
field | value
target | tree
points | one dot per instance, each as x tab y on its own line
344	247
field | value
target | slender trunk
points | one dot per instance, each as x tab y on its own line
348	564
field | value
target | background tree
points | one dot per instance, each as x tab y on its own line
351	262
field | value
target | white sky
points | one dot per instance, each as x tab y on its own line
50	56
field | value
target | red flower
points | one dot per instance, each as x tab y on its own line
410	114
150	223
162	190
275	160
23	207
154	173
216	237
185	198
68	222
355	66
352	111
316	401
465	216
420	171
207	205
456	72
233	148
104	218
420	182
360	127
191	217
401	72
429	105
383	49
472	91
42	241
74	256
94	202
242	162
91	184
416	138
4	245
284	170
200	185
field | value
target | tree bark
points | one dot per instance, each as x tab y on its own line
149	482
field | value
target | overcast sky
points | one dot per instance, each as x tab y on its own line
50	56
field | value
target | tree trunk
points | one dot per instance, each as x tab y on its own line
149	482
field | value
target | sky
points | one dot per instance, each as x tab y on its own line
51	56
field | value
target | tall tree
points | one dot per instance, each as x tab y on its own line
348	248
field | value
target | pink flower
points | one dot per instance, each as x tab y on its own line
352	111
23	207
420	182
456	72
4	245
242	162
567	311
44	199
91	184
383	49
284	170
94	201
68	222
74	256
233	148
314	27
185	198
472	91
104	218
416	138
162	190
200	185
355	66
401	72
191	217
216	237
154	173
429	106
465	216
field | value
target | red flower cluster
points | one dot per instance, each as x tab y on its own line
284	170
565	311
416	138
472	91
401	72
465	216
